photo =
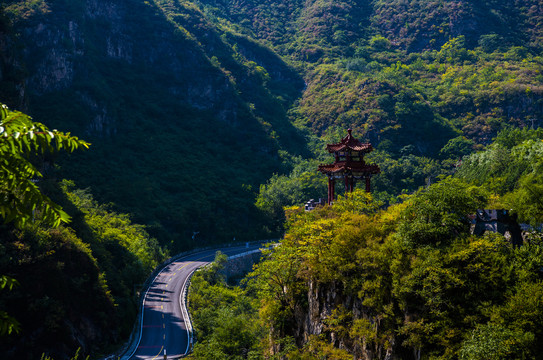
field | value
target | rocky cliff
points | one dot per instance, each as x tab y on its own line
323	302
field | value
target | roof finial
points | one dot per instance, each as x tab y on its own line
349	130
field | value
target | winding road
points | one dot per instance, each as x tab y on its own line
166	327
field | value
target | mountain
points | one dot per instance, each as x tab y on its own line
378	65
190	106
184	117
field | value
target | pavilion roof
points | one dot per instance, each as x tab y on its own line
343	166
349	143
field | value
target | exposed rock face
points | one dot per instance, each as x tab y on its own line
322	300
102	123
62	47
60	43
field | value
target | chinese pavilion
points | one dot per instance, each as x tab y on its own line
349	165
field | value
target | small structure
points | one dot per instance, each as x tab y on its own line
349	165
498	221
312	204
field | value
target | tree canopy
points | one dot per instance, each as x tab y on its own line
21	141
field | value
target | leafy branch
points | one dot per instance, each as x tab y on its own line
20	198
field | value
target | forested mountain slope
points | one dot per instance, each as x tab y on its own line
190	108
182	120
77	285
426	82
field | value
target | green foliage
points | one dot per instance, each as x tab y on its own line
112	229
405	174
510	167
321	247
446	292
317	347
20	138
224	317
512	137
527	199
357	202
214	272
125	251
453	51
8	324
77	356
21	201
490	42
426	82
418	109
295	189
493	342
220	97
60	284
512	332
441	76
457	147
83	278
275	282
379	43
438	214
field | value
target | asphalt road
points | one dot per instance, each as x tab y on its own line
165	317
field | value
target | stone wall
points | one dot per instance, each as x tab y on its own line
239	265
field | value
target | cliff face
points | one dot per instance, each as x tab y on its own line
181	113
77	47
323	302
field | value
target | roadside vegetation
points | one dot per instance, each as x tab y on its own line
225	317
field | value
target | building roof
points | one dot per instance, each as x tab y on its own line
486	215
349	143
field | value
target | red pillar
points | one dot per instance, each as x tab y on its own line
329	189
368	186
332	190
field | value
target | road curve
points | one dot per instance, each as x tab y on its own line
166	327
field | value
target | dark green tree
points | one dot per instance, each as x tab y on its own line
8	324
21	200
440	213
